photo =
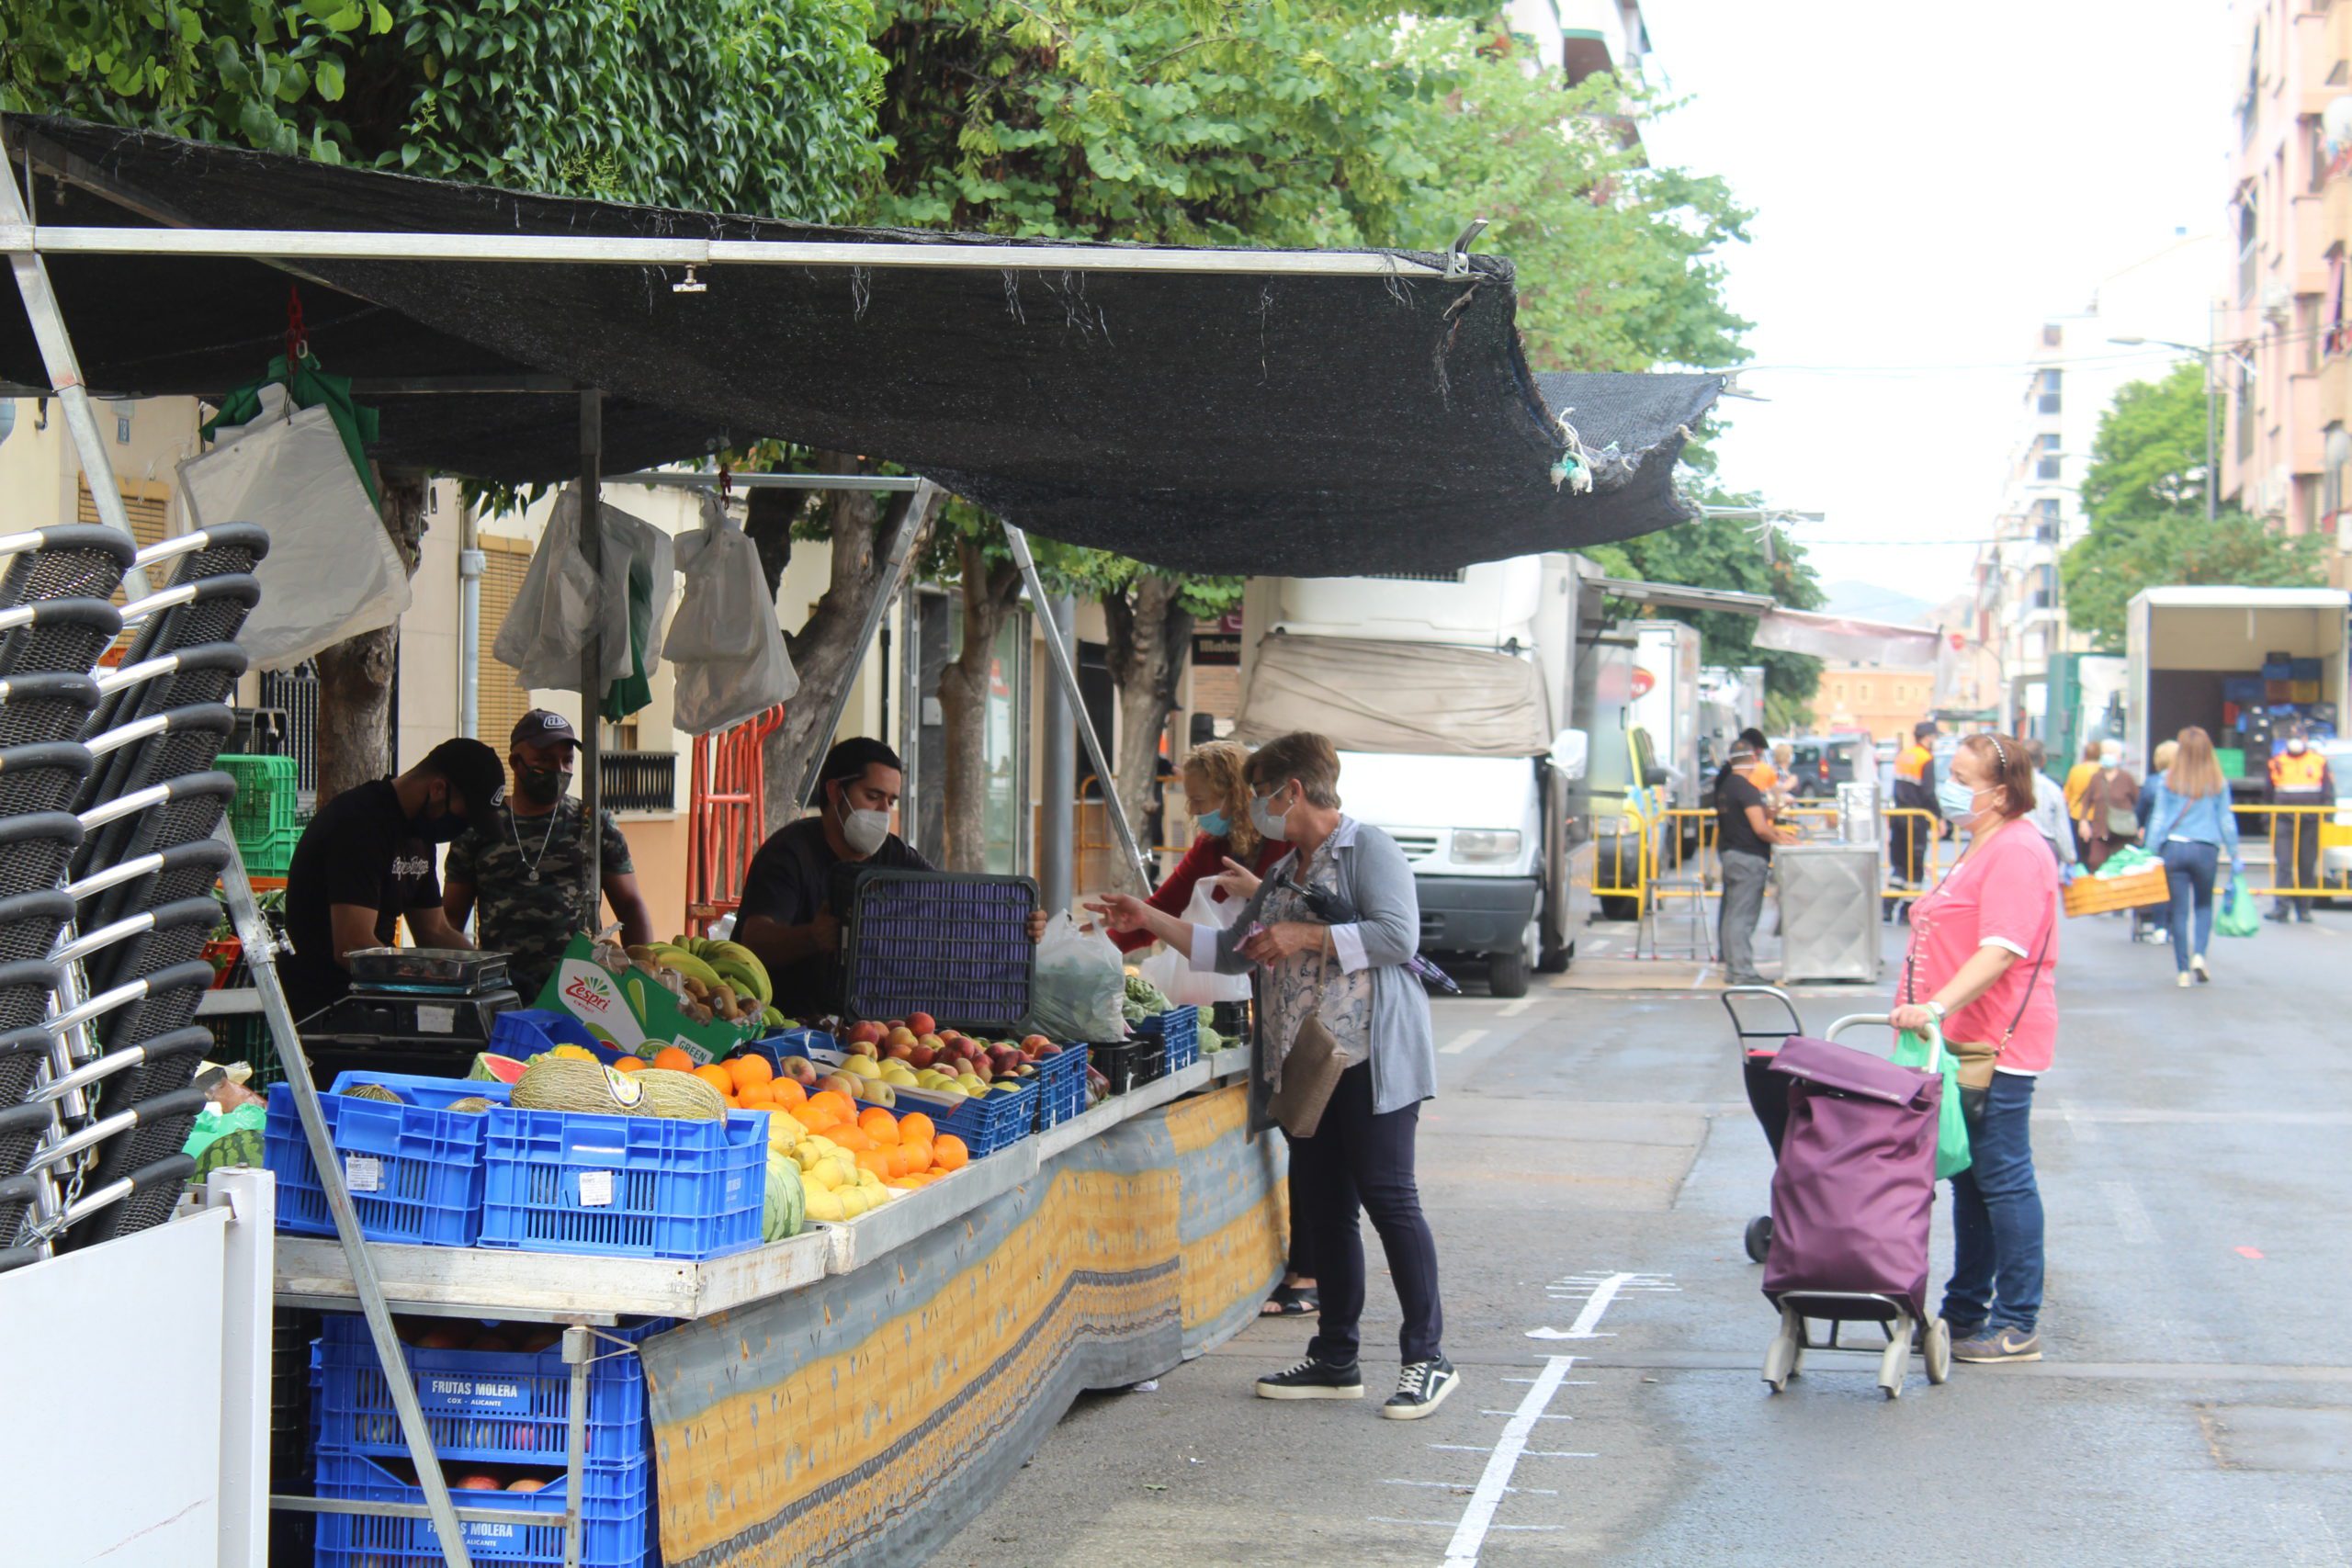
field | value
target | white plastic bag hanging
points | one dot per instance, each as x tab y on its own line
1173	973
1080	983
546	628
332	570
729	652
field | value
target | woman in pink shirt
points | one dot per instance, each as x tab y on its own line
1984	944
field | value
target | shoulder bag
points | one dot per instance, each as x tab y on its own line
1976	1057
1311	1069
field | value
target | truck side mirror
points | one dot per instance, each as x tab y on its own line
1570	752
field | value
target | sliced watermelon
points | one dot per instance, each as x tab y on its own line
490	1068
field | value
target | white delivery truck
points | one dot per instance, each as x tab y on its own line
1454	701
2197	656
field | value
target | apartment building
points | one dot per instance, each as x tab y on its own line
2278	334
2073	369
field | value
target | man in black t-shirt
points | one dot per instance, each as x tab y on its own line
1746	837
797	888
366	859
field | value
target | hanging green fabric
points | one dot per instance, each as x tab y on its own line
308	387
633	691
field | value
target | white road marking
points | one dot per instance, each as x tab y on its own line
2130	1215
1448	1524
1464	1486
2303	1530
1461	1041
1518	1007
1529	1453
1604	1291
1539	1417
1478	1516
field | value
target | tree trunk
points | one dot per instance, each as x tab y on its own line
990	589
825	651
355	736
1150	641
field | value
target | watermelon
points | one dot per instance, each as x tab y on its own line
788	1203
490	1067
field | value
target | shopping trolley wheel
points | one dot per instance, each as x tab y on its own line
1760	1237
1939	1347
1895	1365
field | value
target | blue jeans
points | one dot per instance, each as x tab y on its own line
2192	868
1996	1214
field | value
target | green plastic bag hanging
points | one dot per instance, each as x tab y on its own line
2238	915
1926	1052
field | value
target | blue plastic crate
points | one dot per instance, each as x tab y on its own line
986	1123
2248	690
2303	670
525	1032
616	1522
1062	1087
955	946
485	1405
1179	1031
628	1186
414	1170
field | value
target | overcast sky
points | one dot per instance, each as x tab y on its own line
1928	182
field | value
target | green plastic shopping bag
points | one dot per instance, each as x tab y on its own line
1926	1052
2238	915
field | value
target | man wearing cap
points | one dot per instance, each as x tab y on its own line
798	887
367	860
523	872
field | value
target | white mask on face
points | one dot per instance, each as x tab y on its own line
862	832
1270	823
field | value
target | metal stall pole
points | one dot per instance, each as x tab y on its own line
910	713
591	659
1068	673
920	502
1056	856
260	949
64	370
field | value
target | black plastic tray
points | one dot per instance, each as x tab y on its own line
951	944
453	969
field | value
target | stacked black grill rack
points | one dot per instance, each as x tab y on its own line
109	805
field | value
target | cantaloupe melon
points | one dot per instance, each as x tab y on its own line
679	1095
558	1083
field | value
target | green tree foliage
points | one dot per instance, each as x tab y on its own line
748	105
2145	497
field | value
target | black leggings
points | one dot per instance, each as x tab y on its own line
1359	1161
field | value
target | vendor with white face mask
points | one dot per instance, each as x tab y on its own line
797	888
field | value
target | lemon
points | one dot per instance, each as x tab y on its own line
822	1204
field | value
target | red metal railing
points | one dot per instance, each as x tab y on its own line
727	818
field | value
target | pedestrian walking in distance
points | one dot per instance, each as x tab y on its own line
2299	777
1747	833
1984	944
1915	790
2191	826
1331	929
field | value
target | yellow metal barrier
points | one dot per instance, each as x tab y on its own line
1609	862
2299	838
1915	849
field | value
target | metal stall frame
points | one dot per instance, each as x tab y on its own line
26	244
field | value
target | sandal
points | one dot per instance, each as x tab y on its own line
1291	1301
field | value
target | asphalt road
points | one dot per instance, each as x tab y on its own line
2195	1405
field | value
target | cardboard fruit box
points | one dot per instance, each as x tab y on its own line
2096	896
632	1012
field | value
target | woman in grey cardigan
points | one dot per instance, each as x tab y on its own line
1352	976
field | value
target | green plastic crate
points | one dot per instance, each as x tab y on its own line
2233	761
265	814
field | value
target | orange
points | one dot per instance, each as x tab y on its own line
788	1092
631	1065
900	1161
749	1070
915	1125
835	1101
759	1095
670	1058
814	1118
876	1160
718	1078
918	1155
855	1139
880	1126
948	1152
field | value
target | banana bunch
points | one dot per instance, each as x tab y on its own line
714	979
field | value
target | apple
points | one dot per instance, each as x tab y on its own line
980	1070
923	1023
800	1070
1049	1049
864	1048
866	1032
936	1042
840	1083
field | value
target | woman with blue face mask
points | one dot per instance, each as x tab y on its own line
1218	873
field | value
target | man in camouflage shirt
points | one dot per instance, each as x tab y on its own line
526	867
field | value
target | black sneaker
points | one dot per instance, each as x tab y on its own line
1422	1387
1312	1379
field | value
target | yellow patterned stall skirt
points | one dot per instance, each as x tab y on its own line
872	1415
